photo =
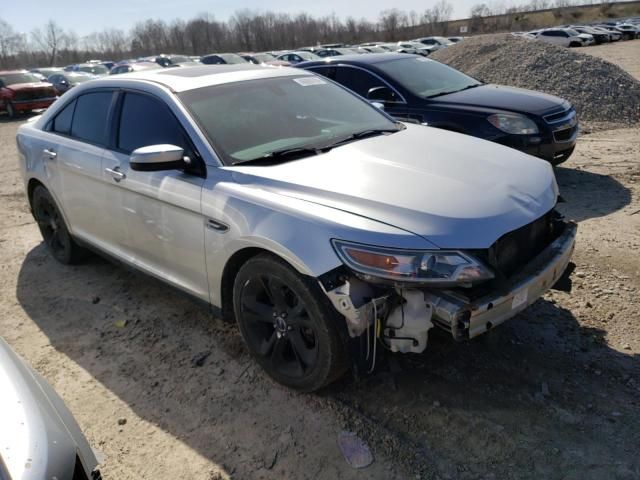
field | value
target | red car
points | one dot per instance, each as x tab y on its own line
22	91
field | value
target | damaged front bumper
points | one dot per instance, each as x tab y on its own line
467	318
407	314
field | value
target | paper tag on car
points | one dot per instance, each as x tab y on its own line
307	81
519	298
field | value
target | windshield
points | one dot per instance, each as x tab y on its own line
94	69
252	119
15	78
426	78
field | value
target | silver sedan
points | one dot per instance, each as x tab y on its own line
326	229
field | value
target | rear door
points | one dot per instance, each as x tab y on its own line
158	226
78	135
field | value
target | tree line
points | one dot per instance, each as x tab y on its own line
245	30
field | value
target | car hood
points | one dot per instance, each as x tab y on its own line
503	98
39	437
454	190
16	87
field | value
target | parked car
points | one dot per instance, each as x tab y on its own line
598	35
312	218
629	32
22	91
437	42
416	47
335	52
372	49
39	437
133	67
222	59
425	91
297	57
167	60
565	37
92	68
259	58
46	72
614	35
62	82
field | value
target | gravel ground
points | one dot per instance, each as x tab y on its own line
551	394
624	54
604	95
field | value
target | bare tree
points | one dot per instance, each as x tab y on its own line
50	39
391	22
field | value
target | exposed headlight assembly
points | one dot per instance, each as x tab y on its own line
429	267
513	123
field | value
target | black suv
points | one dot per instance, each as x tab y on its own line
418	89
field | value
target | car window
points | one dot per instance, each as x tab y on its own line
146	121
328	71
357	80
90	117
62	121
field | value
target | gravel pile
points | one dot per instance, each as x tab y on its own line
603	94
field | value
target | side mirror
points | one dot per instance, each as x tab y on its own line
381	94
156	158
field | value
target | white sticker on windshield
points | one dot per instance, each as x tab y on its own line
307	81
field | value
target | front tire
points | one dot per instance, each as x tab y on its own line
11	110
289	327
54	230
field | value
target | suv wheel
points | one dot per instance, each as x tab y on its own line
53	229
289	327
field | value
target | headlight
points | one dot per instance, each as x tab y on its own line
433	267
513	123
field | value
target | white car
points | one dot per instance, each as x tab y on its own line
565	37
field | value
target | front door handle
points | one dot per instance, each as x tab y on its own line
115	173
50	153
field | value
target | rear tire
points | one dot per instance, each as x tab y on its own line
54	230
288	324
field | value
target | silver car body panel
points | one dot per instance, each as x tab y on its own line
39	438
419	188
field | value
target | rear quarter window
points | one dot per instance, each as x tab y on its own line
62	122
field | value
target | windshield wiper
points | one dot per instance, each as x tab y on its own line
360	135
284	154
455	91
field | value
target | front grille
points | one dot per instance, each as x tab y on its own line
515	249
564	135
34	94
565	116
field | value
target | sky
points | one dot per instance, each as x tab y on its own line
86	16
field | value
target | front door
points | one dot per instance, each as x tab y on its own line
161	227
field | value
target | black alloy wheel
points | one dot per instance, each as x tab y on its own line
288	327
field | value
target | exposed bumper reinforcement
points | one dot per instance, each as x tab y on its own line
467	319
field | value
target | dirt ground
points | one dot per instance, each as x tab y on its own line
626	54
553	394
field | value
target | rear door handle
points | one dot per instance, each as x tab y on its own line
50	153
115	173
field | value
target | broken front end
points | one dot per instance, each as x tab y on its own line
397	296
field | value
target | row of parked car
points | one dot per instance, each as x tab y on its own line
585	35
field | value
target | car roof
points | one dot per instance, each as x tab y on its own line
368	59
190	78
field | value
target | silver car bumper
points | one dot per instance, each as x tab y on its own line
467	319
